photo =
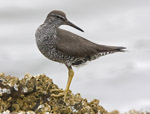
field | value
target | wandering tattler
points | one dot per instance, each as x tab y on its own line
66	47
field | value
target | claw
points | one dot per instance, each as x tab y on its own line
56	90
61	93
57	96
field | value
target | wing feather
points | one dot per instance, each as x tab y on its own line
78	46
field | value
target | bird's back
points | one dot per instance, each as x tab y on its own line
80	47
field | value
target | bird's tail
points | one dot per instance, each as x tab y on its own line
104	48
118	49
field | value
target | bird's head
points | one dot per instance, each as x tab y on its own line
59	18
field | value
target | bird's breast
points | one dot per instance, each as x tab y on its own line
46	39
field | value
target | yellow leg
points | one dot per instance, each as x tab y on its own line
70	76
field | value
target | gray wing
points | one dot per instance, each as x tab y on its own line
78	46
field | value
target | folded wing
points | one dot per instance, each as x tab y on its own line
78	46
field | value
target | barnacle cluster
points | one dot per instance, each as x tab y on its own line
33	95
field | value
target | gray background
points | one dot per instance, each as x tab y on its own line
121	81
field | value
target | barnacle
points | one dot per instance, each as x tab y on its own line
32	95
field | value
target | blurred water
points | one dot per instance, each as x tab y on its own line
120	81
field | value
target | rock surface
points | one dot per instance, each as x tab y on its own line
33	95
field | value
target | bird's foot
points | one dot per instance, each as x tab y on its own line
55	91
61	93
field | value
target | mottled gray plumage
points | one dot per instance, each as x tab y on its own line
66	47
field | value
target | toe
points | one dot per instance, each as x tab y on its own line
57	95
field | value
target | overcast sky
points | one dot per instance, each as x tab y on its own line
120	81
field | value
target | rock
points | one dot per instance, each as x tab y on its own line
32	94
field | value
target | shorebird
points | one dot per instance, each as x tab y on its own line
66	47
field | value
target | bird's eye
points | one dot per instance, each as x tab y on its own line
58	16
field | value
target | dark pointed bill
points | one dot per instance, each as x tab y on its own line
73	25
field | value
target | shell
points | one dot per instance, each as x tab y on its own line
32	95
